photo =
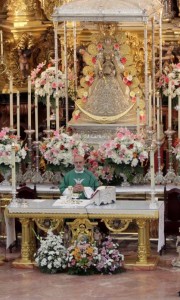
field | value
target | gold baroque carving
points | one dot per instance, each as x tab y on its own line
20	7
48	6
46	224
117	225
82	230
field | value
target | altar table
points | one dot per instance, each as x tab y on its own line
124	211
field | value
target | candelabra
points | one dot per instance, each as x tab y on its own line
170	176
48	175
150	133
37	178
159	178
29	173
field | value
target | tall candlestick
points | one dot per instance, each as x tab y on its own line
18	113
36	117
179	117
169	106
138	116
11	101
150	104
1	41
29	102
158	118
13	167
48	106
152	168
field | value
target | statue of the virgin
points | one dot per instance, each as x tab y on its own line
108	97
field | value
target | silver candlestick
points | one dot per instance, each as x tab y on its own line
170	176
150	132
29	173
159	178
37	178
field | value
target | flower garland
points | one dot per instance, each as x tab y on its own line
170	73
51	257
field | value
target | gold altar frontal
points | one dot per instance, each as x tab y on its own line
122	214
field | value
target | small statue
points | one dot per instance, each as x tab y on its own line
24	55
97	236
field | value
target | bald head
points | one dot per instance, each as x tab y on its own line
79	162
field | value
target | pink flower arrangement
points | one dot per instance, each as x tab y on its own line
125	148
111	261
6	140
44	76
170	73
61	149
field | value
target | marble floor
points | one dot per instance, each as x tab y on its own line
30	284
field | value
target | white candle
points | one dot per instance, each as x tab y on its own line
13	163
138	116
169	106
48	106
36	117
150	105
11	101
152	168
29	102
158	118
18	113
1	41
179	117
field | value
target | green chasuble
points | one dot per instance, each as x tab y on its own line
86	178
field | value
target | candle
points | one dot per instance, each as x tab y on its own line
1	41
152	168
13	148
150	106
169	106
138	115
18	113
11	101
179	117
29	102
36	117
158	118
48	106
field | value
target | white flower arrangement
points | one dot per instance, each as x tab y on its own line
6	140
170	73
51	257
61	149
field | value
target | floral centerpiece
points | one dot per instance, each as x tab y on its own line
6	140
59	151
125	152
44	81
111	261
82	259
51	257
170	73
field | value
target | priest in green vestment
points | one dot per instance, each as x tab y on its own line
80	179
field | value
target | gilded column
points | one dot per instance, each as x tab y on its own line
142	247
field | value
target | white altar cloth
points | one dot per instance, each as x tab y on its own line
123	209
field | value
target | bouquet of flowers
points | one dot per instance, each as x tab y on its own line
51	257
125	152
43	79
6	140
111	261
82	259
95	163
61	149
170	73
